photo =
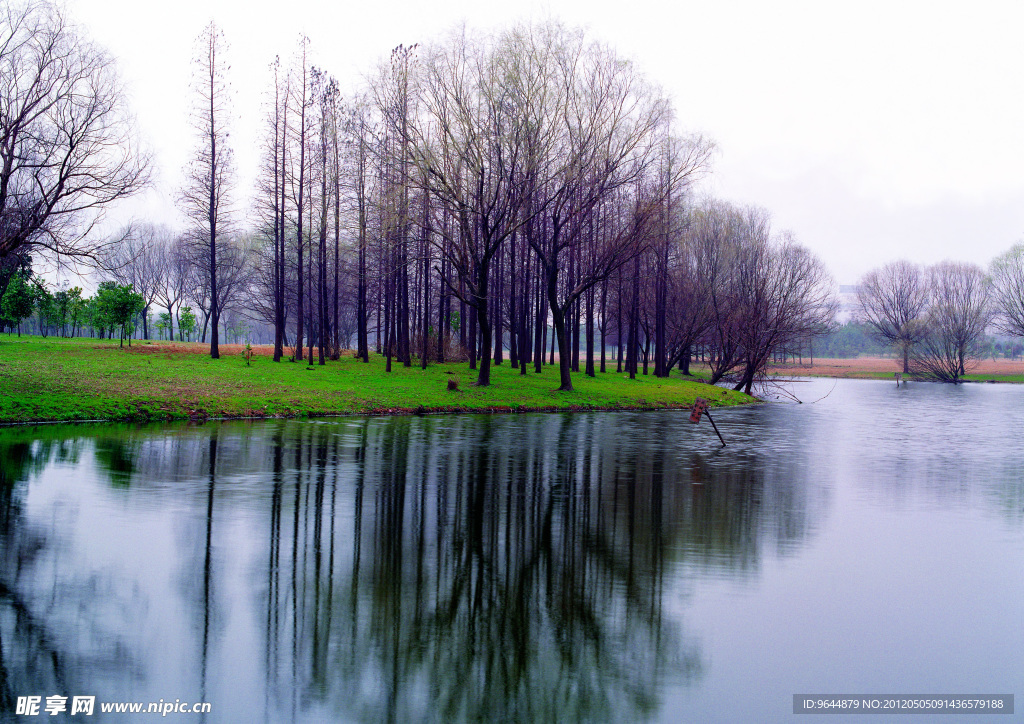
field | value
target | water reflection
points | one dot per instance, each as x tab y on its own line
460	568
491	571
45	640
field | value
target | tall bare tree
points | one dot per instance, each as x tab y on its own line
206	198
270	203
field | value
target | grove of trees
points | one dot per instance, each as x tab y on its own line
937	317
523	196
482	193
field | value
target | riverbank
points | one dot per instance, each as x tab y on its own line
885	368
55	379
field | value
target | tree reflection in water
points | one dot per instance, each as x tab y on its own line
521	567
36	613
514	568
490	571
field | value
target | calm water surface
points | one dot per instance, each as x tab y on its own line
590	567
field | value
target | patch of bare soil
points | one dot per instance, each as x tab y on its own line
226	350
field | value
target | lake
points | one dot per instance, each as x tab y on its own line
612	566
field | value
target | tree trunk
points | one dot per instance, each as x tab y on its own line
471	337
633	348
604	322
558	320
591	295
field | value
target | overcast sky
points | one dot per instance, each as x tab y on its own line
873	131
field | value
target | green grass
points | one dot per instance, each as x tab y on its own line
1018	379
89	379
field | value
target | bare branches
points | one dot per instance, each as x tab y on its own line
206	197
68	147
1007	272
893	300
959	312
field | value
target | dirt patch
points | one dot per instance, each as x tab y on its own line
196	348
203	348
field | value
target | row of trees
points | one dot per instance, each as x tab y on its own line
938	316
481	192
66	312
169	271
476	198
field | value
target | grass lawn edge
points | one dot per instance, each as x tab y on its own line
78	380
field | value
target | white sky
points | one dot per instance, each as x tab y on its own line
872	130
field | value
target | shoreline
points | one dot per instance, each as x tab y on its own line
383	412
885	368
58	380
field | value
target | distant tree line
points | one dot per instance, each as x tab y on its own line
937	317
28	301
849	340
859	339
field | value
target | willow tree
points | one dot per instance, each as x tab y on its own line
470	152
893	300
959	310
1007	274
604	123
784	295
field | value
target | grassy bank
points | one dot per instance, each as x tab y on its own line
83	379
884	368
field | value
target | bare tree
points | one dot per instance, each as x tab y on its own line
1007	272
470	155
959	312
206	196
785	298
138	260
358	136
172	282
893	300
688	303
270	203
68	147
